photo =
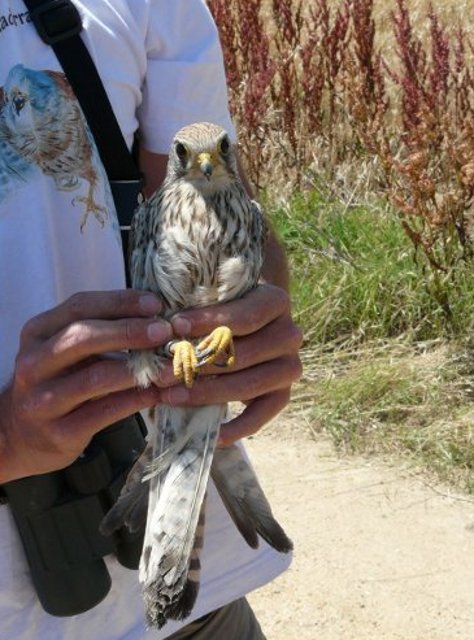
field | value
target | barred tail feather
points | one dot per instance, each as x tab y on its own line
158	606
169	566
245	501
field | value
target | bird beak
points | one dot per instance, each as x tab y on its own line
205	164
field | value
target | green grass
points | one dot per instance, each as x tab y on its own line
385	370
394	398
355	276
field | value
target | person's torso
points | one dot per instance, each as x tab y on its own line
59	235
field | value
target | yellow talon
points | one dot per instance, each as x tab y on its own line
217	344
185	363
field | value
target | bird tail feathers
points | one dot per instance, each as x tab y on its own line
169	566
158	606
245	501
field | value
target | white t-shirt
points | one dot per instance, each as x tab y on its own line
161	64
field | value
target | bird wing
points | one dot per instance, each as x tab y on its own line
139	239
259	229
131	506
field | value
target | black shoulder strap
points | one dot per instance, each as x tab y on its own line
59	24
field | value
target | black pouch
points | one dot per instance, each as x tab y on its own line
58	516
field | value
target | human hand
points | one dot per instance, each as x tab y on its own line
266	364
66	385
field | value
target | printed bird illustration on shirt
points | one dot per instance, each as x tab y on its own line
42	127
198	241
14	169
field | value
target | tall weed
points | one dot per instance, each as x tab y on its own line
317	97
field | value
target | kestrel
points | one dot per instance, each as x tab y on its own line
199	240
42	126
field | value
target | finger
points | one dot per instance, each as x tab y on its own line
241	385
62	395
103	305
244	315
280	337
87	420
87	338
257	413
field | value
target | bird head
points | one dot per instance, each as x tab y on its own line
27	95
202	153
16	92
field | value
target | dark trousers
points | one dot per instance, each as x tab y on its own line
235	621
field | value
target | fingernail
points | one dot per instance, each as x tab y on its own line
177	395
149	304
159	332
181	326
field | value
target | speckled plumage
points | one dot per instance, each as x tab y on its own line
199	240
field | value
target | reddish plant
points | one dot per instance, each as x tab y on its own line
310	91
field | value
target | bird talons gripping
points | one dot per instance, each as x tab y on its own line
217	348
185	363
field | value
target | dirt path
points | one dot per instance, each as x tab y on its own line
379	554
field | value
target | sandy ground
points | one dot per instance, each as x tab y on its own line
379	553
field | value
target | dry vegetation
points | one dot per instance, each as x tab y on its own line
319	89
353	115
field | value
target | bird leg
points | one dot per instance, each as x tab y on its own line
185	362
99	212
187	359
218	344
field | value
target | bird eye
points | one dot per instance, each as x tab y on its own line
181	151
224	146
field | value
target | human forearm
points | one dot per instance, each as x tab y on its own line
275	268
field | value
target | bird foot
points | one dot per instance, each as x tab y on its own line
99	212
217	348
185	362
